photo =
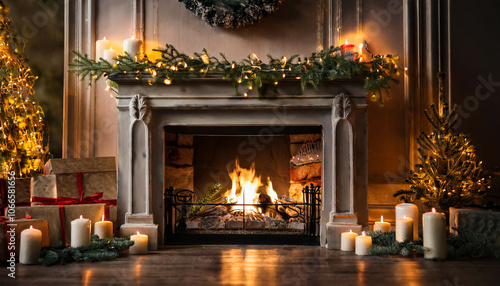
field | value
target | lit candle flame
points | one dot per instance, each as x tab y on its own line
363	233
102	217
381	218
433	210
138	233
31	227
105	38
346	42
81	217
350	231
404	217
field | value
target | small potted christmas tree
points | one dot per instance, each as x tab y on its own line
449	174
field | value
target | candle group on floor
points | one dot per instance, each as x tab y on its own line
104	50
434	232
351	241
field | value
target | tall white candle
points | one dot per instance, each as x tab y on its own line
348	241
80	232
110	55
132	46
363	243
411	211
434	224
404	229
100	47
103	228
140	244
31	244
381	225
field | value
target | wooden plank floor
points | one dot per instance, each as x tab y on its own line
259	265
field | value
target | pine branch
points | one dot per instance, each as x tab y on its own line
207	198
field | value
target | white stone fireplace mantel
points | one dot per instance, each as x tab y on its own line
144	111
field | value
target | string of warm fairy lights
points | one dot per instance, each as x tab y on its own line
251	72
22	127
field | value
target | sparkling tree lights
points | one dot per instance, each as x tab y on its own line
22	123
449	174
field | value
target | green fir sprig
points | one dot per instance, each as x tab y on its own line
208	197
251	72
463	245
97	250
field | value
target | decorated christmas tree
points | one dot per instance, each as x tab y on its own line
22	124
449	174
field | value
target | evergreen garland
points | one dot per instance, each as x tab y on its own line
208	198
465	244
98	249
231	14
251	72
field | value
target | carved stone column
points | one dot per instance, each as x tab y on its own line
342	217
138	216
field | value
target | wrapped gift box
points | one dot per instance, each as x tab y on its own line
22	188
75	178
20	224
52	214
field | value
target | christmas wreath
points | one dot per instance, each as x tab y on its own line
231	14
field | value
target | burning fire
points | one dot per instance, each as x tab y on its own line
245	189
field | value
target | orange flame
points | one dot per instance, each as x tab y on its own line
245	189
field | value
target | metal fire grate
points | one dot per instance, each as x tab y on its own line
178	203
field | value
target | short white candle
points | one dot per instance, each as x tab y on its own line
110	55
363	243
404	229
80	232
348	241
381	225
132	46
434	224
31	244
411	211
103	228
100	47
140	244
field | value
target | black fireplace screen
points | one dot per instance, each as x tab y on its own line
283	222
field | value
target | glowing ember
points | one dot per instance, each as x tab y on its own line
245	189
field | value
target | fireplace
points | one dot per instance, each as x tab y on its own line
204	113
243	184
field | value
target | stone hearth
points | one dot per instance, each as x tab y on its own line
339	107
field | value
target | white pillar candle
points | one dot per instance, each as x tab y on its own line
132	46
404	229
103	228
363	243
100	47
381	225
31	244
411	211
434	224
140	244
80	232
110	55
348	241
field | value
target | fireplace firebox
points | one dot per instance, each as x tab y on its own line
243	184
146	203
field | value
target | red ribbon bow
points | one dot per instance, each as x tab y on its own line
90	199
